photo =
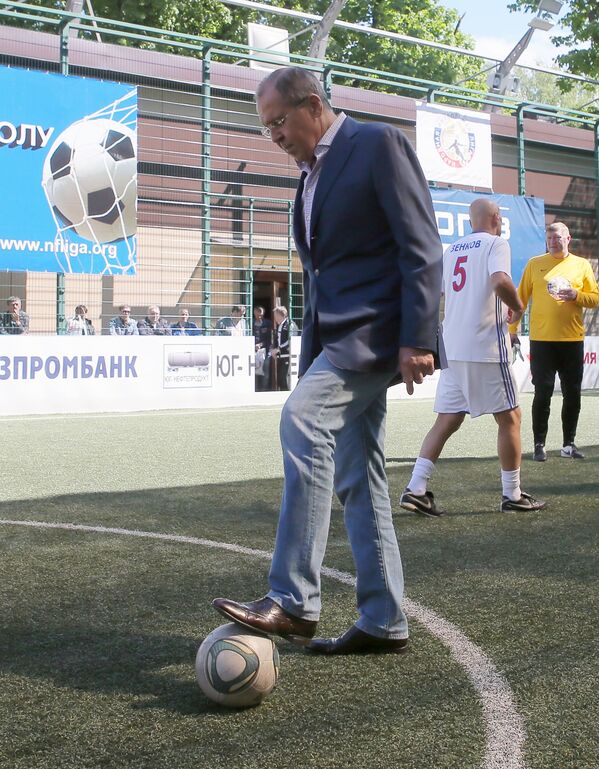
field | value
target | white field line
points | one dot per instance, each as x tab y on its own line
504	726
186	413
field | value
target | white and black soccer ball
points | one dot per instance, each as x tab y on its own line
237	668
90	180
558	284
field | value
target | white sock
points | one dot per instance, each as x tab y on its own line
510	482
421	474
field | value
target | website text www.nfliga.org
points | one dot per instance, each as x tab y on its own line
58	246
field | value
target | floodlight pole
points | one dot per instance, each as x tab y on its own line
501	75
506	66
500	79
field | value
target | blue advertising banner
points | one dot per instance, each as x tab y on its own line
523	222
68	169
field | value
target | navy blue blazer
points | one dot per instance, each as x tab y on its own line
373	259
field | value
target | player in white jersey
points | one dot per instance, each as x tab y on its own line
480	299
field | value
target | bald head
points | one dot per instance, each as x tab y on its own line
485	216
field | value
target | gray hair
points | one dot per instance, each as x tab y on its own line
558	226
295	85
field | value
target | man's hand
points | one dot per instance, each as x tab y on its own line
513	316
567	294
414	364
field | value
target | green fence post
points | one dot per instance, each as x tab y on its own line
521	156
290	256
65	31
250	291
206	185
327	82
521	179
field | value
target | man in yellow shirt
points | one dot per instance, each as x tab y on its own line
559	284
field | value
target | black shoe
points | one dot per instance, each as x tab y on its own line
540	455
266	616
420	503
525	504
571	452
356	641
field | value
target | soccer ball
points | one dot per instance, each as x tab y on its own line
236	668
557	284
90	180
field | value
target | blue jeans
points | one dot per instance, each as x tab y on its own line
332	435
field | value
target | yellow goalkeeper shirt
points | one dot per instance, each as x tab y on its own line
551	319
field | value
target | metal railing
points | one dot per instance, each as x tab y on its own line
214	198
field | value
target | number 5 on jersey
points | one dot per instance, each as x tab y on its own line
459	273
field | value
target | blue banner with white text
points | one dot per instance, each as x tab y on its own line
68	169
523	222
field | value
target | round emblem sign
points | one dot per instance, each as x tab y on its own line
455	143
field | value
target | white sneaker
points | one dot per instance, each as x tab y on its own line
571	452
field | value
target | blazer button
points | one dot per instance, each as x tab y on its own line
317	272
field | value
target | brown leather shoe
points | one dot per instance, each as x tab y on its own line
266	616
356	641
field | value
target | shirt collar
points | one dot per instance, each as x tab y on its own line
324	143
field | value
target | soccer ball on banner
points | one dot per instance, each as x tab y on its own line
90	180
236	668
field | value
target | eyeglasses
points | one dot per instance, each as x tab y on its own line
279	122
124	311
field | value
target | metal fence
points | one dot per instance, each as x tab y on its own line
215	197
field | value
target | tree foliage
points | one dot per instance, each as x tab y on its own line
581	35
427	19
543	88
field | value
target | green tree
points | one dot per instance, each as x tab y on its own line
543	88
205	18
581	27
427	19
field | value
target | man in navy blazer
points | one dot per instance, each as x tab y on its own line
365	230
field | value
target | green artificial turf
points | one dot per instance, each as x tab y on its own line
98	632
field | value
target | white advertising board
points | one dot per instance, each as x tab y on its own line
590	375
73	375
69	374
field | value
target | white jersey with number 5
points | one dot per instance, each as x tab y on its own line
474	326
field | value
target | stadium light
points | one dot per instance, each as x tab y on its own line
545	11
501	80
550	6
543	24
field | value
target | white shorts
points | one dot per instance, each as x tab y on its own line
476	388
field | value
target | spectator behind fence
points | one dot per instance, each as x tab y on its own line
185	327
123	324
14	320
79	324
262	330
281	352
153	324
233	325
